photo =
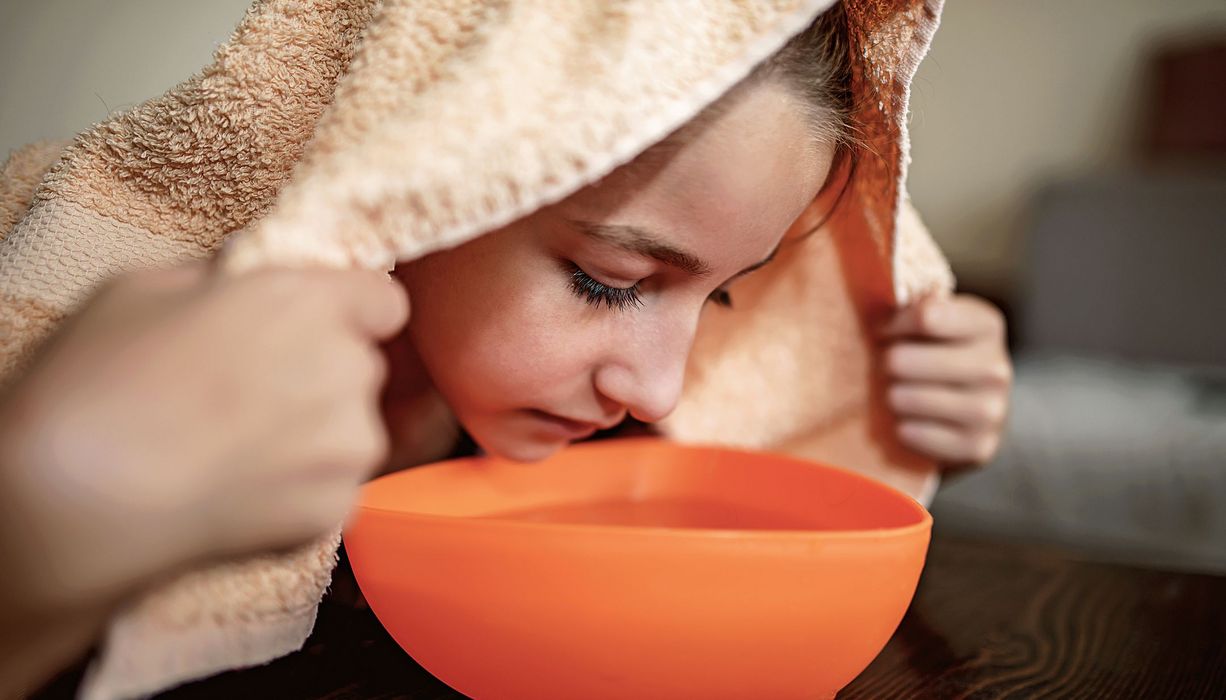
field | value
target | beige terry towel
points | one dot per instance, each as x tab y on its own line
359	133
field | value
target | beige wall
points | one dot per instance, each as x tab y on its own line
1015	91
65	63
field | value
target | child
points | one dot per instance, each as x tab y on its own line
568	320
558	325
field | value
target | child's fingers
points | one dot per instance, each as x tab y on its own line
946	318
961	363
946	443
971	408
377	305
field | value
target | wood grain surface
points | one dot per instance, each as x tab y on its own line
1008	621
990	620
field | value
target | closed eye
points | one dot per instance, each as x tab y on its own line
596	293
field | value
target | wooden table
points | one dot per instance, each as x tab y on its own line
1008	621
988	621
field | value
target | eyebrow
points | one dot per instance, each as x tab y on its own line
638	240
641	241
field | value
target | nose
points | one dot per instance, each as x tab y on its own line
647	373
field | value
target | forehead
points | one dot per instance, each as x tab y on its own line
726	187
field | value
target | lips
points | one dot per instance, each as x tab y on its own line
574	428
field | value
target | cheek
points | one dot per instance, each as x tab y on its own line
498	329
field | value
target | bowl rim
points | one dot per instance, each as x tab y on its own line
924	524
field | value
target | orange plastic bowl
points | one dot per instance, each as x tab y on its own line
638	569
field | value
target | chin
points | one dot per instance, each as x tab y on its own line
519	449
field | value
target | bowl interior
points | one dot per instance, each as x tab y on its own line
646	483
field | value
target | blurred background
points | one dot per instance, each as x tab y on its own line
1070	157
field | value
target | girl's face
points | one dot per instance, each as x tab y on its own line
563	322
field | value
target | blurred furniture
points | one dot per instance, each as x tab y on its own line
1116	440
1121	461
1187	105
1131	266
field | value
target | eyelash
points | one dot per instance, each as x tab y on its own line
621	298
595	293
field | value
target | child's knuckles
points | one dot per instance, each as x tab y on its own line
998	373
977	414
996	323
370	443
983	447
930	317
357	367
907	318
910	434
989	315
370	367
992	411
899	397
919	431
998	316
897	360
326	511
379	442
361	453
276	288
347	439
